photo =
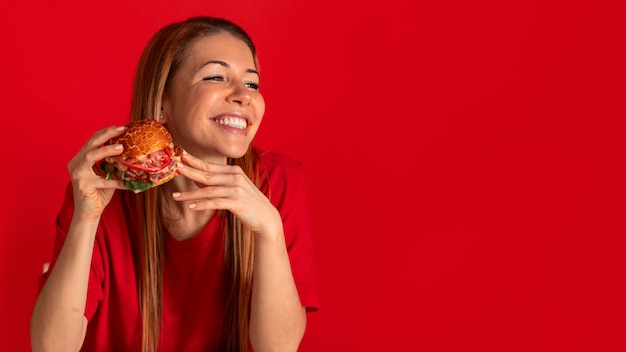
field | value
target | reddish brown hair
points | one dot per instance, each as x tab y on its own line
159	62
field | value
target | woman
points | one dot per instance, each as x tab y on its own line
172	269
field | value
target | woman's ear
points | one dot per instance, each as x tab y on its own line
164	114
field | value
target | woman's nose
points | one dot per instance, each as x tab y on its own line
240	94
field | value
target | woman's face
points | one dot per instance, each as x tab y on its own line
213	107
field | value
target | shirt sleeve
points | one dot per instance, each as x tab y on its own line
63	220
287	191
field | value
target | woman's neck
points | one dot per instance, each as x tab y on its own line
180	221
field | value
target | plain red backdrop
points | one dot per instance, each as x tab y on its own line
465	159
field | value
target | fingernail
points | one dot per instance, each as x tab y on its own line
176	194
121	128
180	165
185	152
118	146
192	205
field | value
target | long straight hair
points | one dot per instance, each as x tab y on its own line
159	62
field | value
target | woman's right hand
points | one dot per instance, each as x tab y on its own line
93	192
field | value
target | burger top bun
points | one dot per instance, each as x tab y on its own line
143	137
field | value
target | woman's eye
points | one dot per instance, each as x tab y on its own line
213	78
254	86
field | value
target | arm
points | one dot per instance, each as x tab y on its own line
58	322
277	317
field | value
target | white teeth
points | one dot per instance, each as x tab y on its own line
233	122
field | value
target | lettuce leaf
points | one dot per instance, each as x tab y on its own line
137	186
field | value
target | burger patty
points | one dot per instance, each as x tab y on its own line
149	168
144	176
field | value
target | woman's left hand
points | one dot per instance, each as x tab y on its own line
227	187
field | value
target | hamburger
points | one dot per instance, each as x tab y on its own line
149	158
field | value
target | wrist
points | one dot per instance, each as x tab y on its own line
272	231
85	223
270	237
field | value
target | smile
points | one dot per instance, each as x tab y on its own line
235	122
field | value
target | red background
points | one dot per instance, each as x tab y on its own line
465	159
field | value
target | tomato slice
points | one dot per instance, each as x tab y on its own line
153	162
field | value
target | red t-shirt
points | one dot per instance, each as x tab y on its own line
193	277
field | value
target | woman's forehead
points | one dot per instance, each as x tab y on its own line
221	46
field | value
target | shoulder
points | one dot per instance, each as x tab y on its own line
278	168
280	176
275	161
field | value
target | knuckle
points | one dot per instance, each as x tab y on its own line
239	179
88	155
206	176
238	192
206	166
81	186
74	173
218	203
93	141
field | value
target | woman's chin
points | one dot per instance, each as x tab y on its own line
236	152
237	155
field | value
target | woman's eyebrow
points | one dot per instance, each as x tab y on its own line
218	62
226	64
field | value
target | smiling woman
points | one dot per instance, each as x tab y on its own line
212	95
171	268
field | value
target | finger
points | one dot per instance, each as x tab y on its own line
99	183
103	135
89	159
209	192
104	152
213	178
117	184
205	165
215	204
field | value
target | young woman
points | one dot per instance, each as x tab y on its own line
217	259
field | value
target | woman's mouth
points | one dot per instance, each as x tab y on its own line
235	122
